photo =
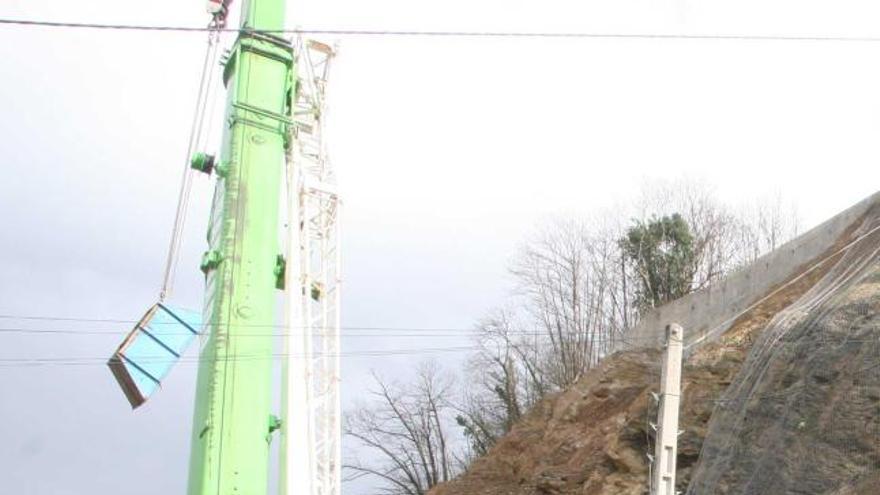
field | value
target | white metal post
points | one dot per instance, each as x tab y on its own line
667	420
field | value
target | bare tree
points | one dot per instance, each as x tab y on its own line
569	279
577	292
406	430
505	378
725	237
616	308
764	225
572	305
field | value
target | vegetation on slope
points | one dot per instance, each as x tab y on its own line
594	437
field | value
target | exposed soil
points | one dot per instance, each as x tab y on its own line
592	439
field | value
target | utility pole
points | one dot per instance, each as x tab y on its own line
232	424
663	481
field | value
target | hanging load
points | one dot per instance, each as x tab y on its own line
151	349
164	333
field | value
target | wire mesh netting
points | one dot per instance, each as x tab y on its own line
803	413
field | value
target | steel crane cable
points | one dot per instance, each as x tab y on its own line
197	130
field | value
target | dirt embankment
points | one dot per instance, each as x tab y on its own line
592	439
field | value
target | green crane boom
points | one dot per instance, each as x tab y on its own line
232	423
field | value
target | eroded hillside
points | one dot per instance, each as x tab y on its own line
803	413
759	405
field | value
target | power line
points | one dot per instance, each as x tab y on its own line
5	361
100	361
406	332
388	332
463	330
721	399
815	265
120	27
425	332
395	332
265	325
237	325
446	33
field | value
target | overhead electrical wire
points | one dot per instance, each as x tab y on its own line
806	271
101	361
248	325
67	362
197	124
83	360
388	332
398	332
447	33
462	330
600	341
813	266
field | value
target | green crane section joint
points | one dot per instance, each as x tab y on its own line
259	114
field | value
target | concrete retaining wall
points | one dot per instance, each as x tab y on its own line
714	309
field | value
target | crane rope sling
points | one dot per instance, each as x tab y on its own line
197	137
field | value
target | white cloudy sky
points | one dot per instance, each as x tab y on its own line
448	152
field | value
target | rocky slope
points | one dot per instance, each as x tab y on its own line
803	413
769	417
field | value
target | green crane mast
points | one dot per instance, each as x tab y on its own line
233	424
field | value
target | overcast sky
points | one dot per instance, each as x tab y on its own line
448	152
